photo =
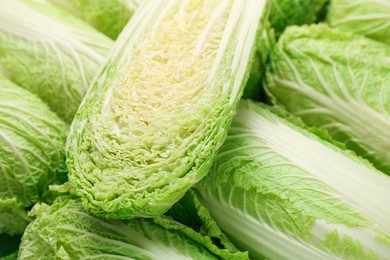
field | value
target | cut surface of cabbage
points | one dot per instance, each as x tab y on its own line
159	110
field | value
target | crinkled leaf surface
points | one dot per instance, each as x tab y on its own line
158	112
367	17
203	228
50	52
64	230
32	151
283	193
13	217
294	12
337	81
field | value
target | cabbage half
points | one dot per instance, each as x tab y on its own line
49	52
281	192
367	17
337	81
108	16
32	153
65	231
159	110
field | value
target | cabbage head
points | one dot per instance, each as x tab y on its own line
159	109
49	52
32	154
338	81
281	192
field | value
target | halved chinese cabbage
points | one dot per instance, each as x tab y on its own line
159	110
109	17
49	52
338	81
281	192
32	153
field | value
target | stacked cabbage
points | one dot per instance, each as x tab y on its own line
156	121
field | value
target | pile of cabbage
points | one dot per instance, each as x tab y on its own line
218	129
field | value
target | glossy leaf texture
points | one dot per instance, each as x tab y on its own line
370	18
337	81
32	153
50	53
66	231
281	192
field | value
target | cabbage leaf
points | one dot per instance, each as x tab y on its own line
32	153
254	87
281	192
109	17
282	13
295	12
49	52
370	18
153	120
338	81
65	231
12	256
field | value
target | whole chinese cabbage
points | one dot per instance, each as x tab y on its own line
337	81
32	153
49	52
281	192
109	17
367	17
159	109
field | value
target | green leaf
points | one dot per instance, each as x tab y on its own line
32	153
203	228
109	17
12	256
13	217
281	192
254	87
370	18
337	81
295	12
50	53
64	230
